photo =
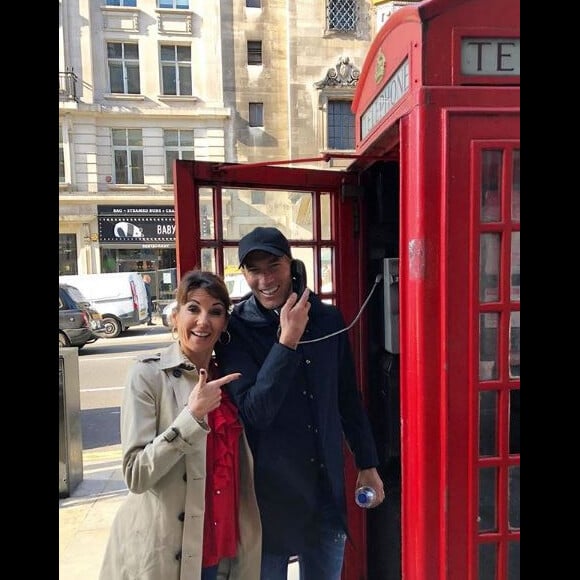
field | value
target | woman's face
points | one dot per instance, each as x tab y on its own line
199	322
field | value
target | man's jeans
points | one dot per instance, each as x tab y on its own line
209	573
322	561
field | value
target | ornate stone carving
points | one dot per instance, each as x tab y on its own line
344	74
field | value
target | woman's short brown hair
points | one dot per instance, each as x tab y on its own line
208	281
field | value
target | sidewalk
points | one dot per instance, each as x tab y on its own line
85	516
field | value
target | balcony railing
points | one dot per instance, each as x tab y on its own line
67	86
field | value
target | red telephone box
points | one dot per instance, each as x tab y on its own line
431	203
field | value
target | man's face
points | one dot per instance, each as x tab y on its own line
268	277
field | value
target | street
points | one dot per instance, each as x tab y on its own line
103	367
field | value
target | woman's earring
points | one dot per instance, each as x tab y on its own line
228	338
174	334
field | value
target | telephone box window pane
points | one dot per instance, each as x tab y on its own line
514	362
206	217
488	345
487	562
325	216
290	211
491	164
487	423
515	267
258	197
326	269
489	252
307	256
514	497
514	423
233	277
514	560
516	186
208	261
231	263
487	499
236	283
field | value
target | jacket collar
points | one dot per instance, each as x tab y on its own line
172	357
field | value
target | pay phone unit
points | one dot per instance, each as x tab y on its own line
391	304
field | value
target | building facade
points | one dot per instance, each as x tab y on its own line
143	82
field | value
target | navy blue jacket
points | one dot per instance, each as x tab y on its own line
296	406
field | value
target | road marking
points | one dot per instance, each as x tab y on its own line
98	357
102	454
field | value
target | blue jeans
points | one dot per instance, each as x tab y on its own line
209	573
322	561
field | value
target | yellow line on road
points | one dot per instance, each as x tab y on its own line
97	455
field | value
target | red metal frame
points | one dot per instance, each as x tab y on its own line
349	284
432	126
435	132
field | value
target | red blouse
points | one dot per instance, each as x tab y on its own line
220	526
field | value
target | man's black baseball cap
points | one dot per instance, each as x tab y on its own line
269	240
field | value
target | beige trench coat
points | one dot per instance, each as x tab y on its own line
157	533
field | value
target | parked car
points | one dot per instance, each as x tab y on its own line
78	321
166	313
120	297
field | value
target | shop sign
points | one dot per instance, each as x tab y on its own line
146	226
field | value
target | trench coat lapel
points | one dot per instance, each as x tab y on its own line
175	362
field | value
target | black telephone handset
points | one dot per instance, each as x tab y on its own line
298	271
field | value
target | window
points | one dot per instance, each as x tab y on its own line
178	145
124	67
256	114
254	52
178	4
130	3
67	254
258	197
61	173
128	156
340	125
176	70
341	15
253	3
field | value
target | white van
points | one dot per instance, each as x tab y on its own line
120	297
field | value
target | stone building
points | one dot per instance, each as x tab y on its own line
142	82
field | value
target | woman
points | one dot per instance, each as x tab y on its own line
191	512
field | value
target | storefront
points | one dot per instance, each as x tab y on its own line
139	239
136	239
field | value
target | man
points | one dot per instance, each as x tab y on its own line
297	401
150	306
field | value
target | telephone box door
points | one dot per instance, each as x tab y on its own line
217	203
